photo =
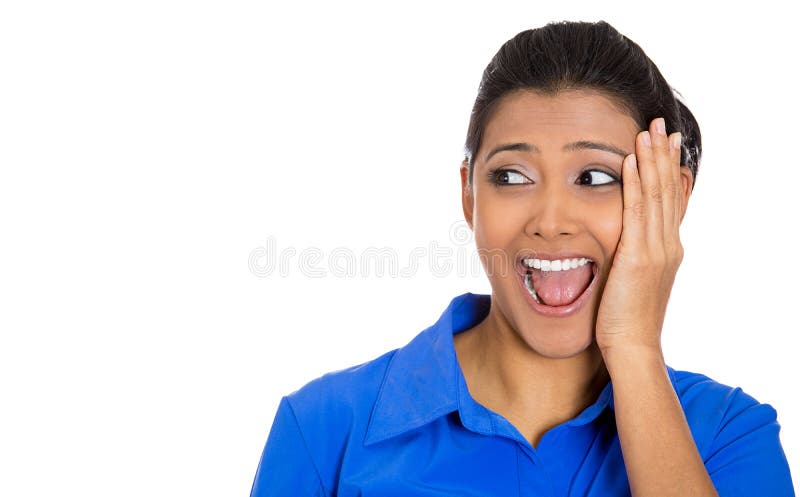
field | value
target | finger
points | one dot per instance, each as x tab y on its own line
633	213
663	160
651	190
675	169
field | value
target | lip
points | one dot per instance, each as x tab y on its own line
562	310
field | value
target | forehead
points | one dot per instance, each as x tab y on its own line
550	121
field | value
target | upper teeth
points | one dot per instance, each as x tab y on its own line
560	265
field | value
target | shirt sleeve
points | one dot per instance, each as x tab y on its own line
746	457
286	468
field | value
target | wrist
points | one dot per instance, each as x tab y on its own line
633	359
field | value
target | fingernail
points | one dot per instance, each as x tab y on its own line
675	141
646	138
660	127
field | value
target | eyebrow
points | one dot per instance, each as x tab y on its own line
569	147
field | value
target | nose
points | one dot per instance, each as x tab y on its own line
553	214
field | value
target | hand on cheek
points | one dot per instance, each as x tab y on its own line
634	300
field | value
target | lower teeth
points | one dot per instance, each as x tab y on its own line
531	290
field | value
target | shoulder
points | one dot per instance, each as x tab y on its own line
342	393
718	413
312	427
737	437
698	391
333	411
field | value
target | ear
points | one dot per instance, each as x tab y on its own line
687	180
467	197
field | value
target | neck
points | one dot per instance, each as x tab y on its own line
506	375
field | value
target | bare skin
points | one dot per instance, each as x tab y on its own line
539	371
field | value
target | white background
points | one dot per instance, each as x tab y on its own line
149	148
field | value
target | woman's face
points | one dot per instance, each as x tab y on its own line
535	195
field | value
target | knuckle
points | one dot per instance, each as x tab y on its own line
655	193
671	188
678	253
637	209
673	257
673	248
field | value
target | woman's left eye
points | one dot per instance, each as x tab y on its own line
586	178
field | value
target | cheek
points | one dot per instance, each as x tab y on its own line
607	226
497	221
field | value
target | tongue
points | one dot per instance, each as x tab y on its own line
561	287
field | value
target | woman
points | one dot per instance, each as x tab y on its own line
579	165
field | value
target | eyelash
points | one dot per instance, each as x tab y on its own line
494	174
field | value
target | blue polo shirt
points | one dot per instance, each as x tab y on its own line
404	424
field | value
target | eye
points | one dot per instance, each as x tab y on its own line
586	178
507	177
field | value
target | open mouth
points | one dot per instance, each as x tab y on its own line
561	284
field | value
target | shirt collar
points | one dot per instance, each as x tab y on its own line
424	381
421	383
